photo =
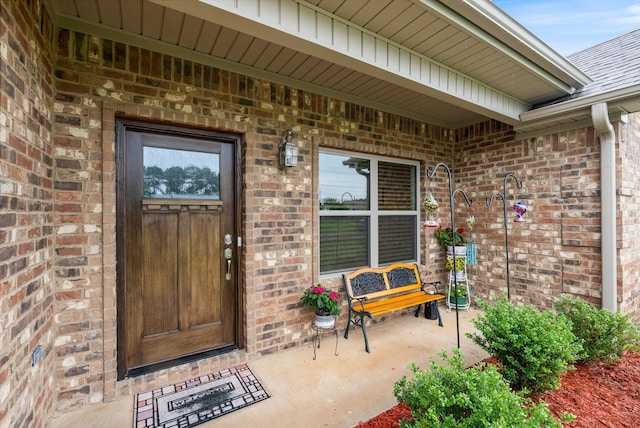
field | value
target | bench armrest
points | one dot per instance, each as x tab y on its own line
361	300
434	285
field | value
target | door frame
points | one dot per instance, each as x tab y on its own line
123	124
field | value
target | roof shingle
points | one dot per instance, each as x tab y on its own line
612	64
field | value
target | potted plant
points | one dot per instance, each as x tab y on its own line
459	264
458	295
458	269
324	302
452	240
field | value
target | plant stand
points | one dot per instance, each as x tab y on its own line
317	335
462	280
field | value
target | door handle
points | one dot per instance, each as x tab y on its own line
228	253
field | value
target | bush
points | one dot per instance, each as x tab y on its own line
475	397
603	335
534	347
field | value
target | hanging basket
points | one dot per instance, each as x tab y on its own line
430	206
431	221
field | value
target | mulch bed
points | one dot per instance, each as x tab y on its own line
603	394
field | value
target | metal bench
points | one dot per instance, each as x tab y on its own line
376	291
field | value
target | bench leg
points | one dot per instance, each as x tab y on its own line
418	310
364	333
358	320
349	321
439	317
355	319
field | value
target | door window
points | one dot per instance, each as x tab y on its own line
184	174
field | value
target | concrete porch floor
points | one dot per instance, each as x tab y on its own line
331	391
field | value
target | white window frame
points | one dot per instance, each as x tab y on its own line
373	213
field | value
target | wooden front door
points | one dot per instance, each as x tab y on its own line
177	243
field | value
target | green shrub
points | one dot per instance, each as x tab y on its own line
534	347
604	335
475	397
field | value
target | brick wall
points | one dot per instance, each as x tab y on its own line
57	239
26	215
97	80
558	249
629	216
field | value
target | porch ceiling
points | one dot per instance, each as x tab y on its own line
447	62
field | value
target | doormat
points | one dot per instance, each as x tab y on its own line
196	401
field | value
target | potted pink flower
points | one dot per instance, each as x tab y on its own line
324	302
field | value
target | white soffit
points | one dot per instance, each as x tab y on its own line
317	32
519	42
451	63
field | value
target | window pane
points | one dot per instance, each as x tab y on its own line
397	238
344	182
396	187
344	243
170	173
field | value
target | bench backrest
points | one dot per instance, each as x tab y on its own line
379	282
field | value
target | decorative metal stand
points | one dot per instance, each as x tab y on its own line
503	196
452	194
457	278
317	335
